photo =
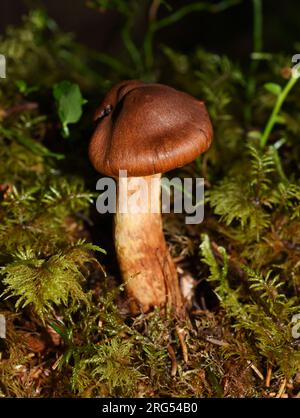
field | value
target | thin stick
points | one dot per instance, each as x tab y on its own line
19	108
255	369
153	10
281	389
173	360
181	334
268	376
217	342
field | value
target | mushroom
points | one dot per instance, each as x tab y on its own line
147	130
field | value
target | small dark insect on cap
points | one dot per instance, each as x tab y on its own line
148	129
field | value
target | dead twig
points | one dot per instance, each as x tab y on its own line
153	10
281	389
268	376
173	360
255	369
19	108
181	334
217	342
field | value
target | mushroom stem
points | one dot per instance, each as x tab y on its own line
146	265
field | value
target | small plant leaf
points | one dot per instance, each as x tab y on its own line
280	119
24	88
273	88
69	103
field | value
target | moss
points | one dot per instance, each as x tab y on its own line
69	329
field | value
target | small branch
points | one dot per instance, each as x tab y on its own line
255	369
19	108
281	389
173	360
268	376
153	10
217	342
181	334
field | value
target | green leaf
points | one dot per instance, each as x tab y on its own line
24	88
58	327
69	103
273	88
280	119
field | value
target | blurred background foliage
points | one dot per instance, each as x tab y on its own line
69	331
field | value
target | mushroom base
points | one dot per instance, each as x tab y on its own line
145	263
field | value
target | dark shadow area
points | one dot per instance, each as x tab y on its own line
213	31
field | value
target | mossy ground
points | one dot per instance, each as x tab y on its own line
69	329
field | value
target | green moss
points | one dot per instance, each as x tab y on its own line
69	330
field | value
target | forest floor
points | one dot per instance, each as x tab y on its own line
69	331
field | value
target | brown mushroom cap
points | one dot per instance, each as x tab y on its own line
148	129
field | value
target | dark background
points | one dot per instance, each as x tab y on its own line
229	32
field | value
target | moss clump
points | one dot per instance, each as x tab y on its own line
69	330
